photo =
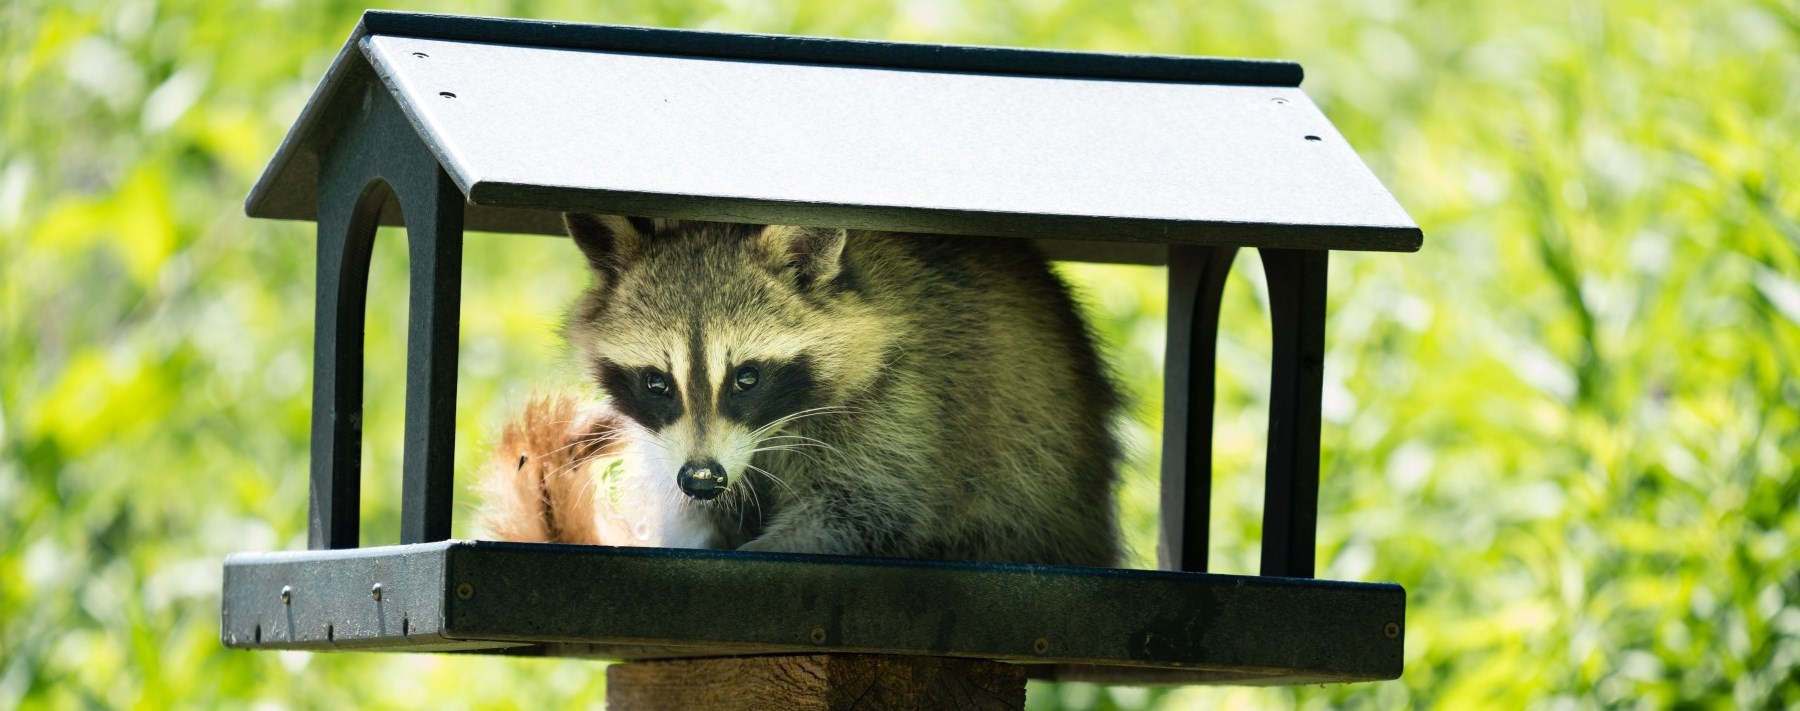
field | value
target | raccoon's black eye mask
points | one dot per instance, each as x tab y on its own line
647	396
764	392
754	394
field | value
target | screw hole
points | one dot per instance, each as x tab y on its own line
405	626
420	55
446	95
1279	100
259	634
1314	139
330	633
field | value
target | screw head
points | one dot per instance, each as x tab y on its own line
1391	629
287	595
465	591
818	635
1040	645
375	592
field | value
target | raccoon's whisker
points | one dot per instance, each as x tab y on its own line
795	436
755	498
771	477
598	446
807	455
795	451
778	480
803	454
794	440
811	412
576	464
586	490
790	447
802	413
804	442
781	442
594	439
579	461
589	484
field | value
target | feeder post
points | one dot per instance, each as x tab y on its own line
349	207
816	681
1291	494
1196	286
434	224
378	160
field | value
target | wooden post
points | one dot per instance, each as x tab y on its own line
1196	288
377	160
1291	487
815	681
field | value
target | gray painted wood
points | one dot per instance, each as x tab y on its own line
970	145
863	147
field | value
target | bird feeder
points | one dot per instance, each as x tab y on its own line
446	124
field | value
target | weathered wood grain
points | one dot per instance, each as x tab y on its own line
815	681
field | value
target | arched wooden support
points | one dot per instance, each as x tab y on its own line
346	236
373	160
1291	485
1291	493
1196	286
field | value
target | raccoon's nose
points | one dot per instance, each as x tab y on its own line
702	480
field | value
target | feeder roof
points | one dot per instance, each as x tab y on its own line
533	118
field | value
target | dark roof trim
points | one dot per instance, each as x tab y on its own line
819	50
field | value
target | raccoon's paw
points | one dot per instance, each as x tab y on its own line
538	485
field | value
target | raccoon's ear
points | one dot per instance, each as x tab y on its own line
608	241
808	255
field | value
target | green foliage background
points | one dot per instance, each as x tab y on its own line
1570	426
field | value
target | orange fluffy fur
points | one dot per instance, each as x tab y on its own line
540	485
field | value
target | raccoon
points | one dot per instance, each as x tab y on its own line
819	390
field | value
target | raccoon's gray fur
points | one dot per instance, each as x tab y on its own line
814	390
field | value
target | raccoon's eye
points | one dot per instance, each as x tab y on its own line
657	384
747	377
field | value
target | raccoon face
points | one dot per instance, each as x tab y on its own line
715	338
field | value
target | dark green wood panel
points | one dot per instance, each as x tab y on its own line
631	603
